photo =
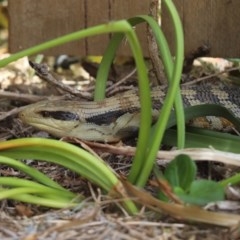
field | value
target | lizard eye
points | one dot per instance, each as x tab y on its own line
60	115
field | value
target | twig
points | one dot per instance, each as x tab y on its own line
197	154
121	81
22	97
43	72
10	113
209	76
153	48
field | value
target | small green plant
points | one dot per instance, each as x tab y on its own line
181	174
46	192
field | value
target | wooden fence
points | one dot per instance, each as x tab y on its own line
212	22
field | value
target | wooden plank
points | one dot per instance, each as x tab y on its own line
127	9
196	34
224	33
33	22
96	45
43	19
210	22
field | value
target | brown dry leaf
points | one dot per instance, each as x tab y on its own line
191	213
166	188
24	210
31	237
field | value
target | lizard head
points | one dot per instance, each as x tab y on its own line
46	116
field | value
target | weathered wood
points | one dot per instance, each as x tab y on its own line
212	22
123	9
33	22
43	19
97	12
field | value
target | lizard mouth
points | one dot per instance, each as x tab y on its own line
59	126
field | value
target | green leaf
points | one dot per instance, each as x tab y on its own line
181	172
173	69
66	155
202	192
203	138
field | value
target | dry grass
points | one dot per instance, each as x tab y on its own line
94	220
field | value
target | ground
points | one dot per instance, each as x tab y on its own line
98	216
